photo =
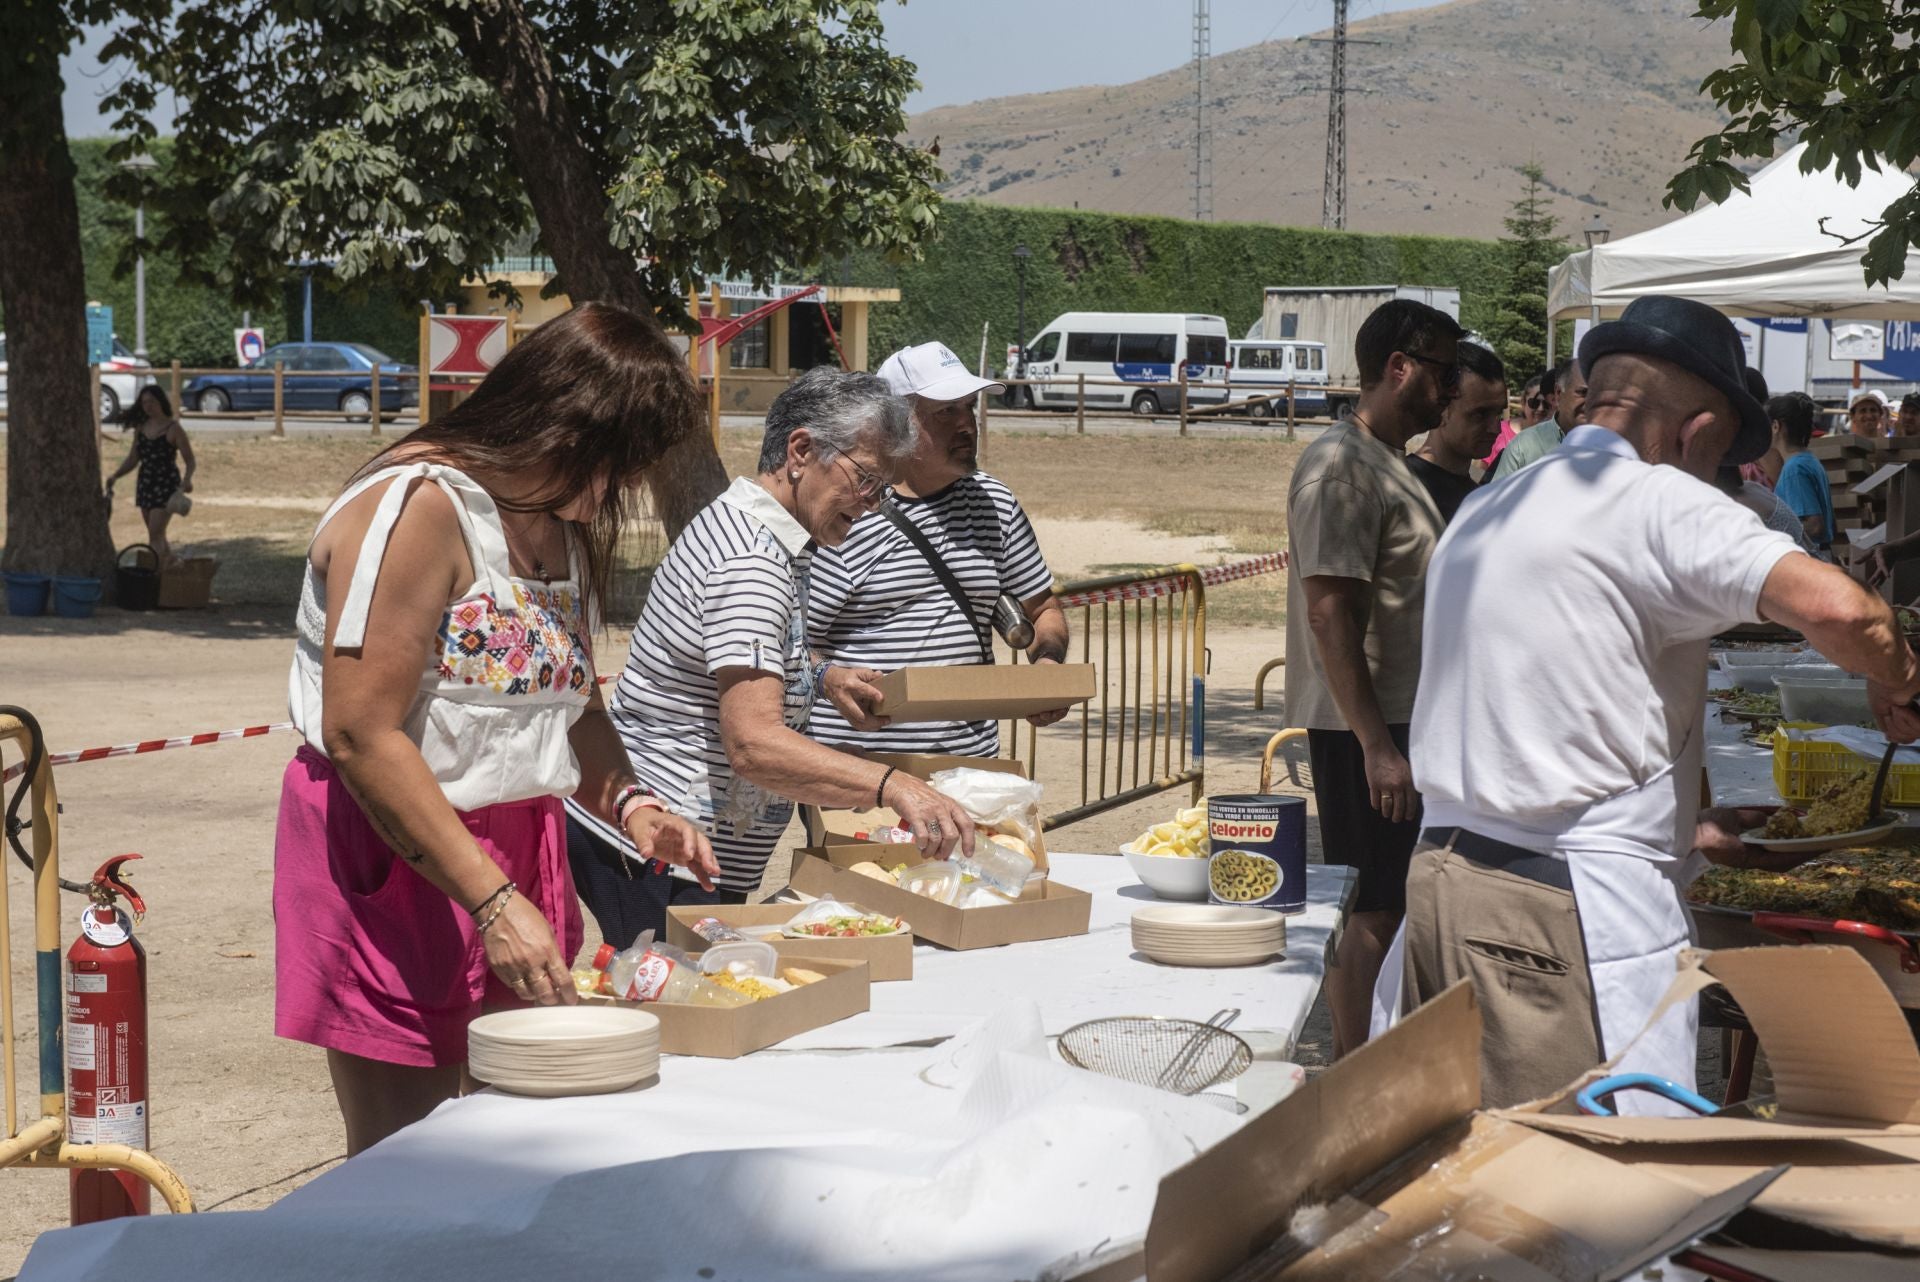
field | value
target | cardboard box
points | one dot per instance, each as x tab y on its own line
1048	910
842	827
188	584
977	692
1847	1077
715	1032
1415	1181
889	957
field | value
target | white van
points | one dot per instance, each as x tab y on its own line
1130	347
1268	365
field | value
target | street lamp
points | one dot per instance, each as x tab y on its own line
1020	256
1596	232
141	164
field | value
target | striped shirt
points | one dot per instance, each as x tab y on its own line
732	593
877	604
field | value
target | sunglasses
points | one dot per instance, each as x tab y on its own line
1449	375
866	486
1536	402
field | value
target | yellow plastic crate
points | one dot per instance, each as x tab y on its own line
1803	770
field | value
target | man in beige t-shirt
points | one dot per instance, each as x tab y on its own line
1360	528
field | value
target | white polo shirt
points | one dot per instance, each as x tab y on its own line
1564	657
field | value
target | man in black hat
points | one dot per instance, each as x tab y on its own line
1563	815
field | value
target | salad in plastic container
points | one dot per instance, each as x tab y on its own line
831	919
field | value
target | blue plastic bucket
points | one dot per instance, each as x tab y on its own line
74	597
27	594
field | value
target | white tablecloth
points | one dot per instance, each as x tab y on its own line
984	1157
1097	973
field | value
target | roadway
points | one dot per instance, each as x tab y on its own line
1002	421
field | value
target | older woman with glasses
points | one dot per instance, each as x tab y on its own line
719	684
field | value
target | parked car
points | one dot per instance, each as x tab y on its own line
120	378
329	376
1272	365
1114	348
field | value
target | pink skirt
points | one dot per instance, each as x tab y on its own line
370	957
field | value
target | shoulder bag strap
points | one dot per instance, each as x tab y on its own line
902	523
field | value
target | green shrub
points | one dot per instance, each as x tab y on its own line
1085	261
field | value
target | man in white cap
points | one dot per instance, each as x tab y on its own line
1867	413
915	583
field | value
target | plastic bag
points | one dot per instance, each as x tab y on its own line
981	895
824	911
992	797
938	881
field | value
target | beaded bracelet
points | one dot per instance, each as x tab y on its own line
505	896
631	793
880	793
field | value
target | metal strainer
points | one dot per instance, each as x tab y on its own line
1179	1055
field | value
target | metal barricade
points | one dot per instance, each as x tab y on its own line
1144	731
43	1142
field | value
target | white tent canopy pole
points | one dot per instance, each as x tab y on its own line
1760	253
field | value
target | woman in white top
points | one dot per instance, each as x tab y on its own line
719	687
420	869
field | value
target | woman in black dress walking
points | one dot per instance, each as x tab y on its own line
158	443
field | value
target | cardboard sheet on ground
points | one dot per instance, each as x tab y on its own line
985	1158
1372	1171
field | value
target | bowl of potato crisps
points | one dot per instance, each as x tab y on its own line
1170	858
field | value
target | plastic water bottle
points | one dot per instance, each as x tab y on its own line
715	931
1002	867
650	972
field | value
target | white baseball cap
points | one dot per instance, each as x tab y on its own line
1868	394
933	371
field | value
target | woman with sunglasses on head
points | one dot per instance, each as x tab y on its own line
444	686
714	704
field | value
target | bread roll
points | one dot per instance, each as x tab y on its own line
1012	842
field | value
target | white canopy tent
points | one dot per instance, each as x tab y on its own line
1761	253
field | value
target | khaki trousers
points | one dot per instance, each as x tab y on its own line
1519	942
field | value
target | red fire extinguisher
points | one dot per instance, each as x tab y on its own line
107	1045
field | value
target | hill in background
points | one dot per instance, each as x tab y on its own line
1604	96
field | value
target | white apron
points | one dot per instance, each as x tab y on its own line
1634	922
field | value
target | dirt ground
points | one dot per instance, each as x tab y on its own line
245	1117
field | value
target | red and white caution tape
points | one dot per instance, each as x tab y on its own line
151	745
1144	590
1246	569
1173	584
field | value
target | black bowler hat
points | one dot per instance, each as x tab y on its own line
1700	341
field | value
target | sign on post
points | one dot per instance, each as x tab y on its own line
99	333
465	345
1856	340
249	345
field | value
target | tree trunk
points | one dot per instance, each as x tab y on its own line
56	522
557	170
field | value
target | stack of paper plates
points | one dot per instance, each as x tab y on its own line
1209	934
564	1050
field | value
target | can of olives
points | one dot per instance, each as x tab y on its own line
1257	852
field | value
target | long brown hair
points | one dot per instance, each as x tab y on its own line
598	392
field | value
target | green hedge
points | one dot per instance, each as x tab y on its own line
1082	261
1086	261
194	324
